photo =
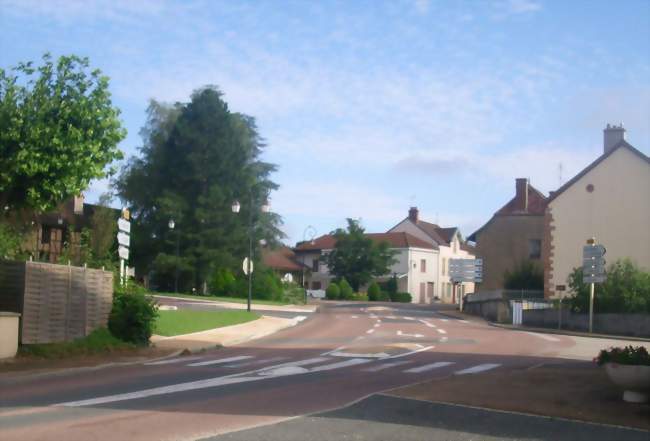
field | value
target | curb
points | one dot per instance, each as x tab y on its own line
567	332
234	305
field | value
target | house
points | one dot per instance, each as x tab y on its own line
282	261
450	245
512	235
608	200
416	266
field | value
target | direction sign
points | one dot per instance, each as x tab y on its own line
123	252
123	239
124	225
245	266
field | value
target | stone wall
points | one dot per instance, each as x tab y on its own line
635	325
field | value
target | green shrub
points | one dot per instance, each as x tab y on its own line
526	275
293	294
628	355
266	285
391	285
401	297
133	316
223	282
626	290
374	292
10	243
98	341
360	297
346	290
333	292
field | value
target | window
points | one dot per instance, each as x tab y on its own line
423	265
315	285
314	266
455	246
534	248
444	265
46	234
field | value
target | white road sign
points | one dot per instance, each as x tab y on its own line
123	252
245	266
123	239
124	225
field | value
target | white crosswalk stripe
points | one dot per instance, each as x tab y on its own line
382	366
221	360
171	361
255	362
478	368
341	364
428	367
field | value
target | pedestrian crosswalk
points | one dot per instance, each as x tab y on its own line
328	363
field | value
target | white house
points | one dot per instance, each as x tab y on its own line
416	266
608	200
450	245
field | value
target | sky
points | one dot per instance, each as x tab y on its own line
371	107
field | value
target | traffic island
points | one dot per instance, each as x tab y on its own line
573	390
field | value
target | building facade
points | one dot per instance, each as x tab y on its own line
608	200
513	235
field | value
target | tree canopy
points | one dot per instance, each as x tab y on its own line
197	158
58	131
357	258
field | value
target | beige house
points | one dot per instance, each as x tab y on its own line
513	235
608	200
450	245
415	267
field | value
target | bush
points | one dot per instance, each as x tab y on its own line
626	290
360	297
346	290
374	292
293	294
266	286
628	355
98	341
10	243
333	292
526	275
223	282
133	316
391	286
401	297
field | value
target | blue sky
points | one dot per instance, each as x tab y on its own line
370	107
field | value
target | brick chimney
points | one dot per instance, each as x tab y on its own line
612	135
521	196
414	214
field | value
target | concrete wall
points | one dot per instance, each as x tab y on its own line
637	325
616	213
494	310
503	243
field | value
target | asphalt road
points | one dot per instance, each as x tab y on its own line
338	356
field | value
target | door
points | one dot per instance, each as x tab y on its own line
422	293
429	292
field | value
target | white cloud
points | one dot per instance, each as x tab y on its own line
422	6
508	8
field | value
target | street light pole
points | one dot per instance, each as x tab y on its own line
311	232
171	226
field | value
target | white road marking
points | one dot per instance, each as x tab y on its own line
444	320
406	354
478	368
221	360
306	362
359	355
370	331
355	316
463	321
408	318
441	331
382	366
172	360
428	367
255	362
378	320
543	336
392	317
443	339
376	325
430	325
401	334
340	364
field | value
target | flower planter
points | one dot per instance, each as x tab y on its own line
633	379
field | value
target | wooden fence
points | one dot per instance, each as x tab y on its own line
57	302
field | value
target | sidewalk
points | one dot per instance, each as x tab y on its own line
226	336
307	309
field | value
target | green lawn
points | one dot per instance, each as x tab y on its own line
187	321
219	299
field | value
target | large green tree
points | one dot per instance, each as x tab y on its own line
357	258
197	158
58	131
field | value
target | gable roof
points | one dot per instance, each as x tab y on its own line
395	240
281	259
623	144
536	207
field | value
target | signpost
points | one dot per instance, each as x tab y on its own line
123	239
593	271
247	266
465	270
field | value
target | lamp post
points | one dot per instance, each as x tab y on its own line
236	206
310	232
171	226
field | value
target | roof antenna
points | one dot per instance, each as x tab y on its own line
437	220
560	169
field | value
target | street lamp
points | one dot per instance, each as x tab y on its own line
171	226
236	206
310	232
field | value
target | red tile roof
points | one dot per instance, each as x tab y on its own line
395	240
281	259
536	204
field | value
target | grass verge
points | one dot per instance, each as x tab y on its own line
219	299
98	341
186	321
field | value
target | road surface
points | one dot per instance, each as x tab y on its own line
338	356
